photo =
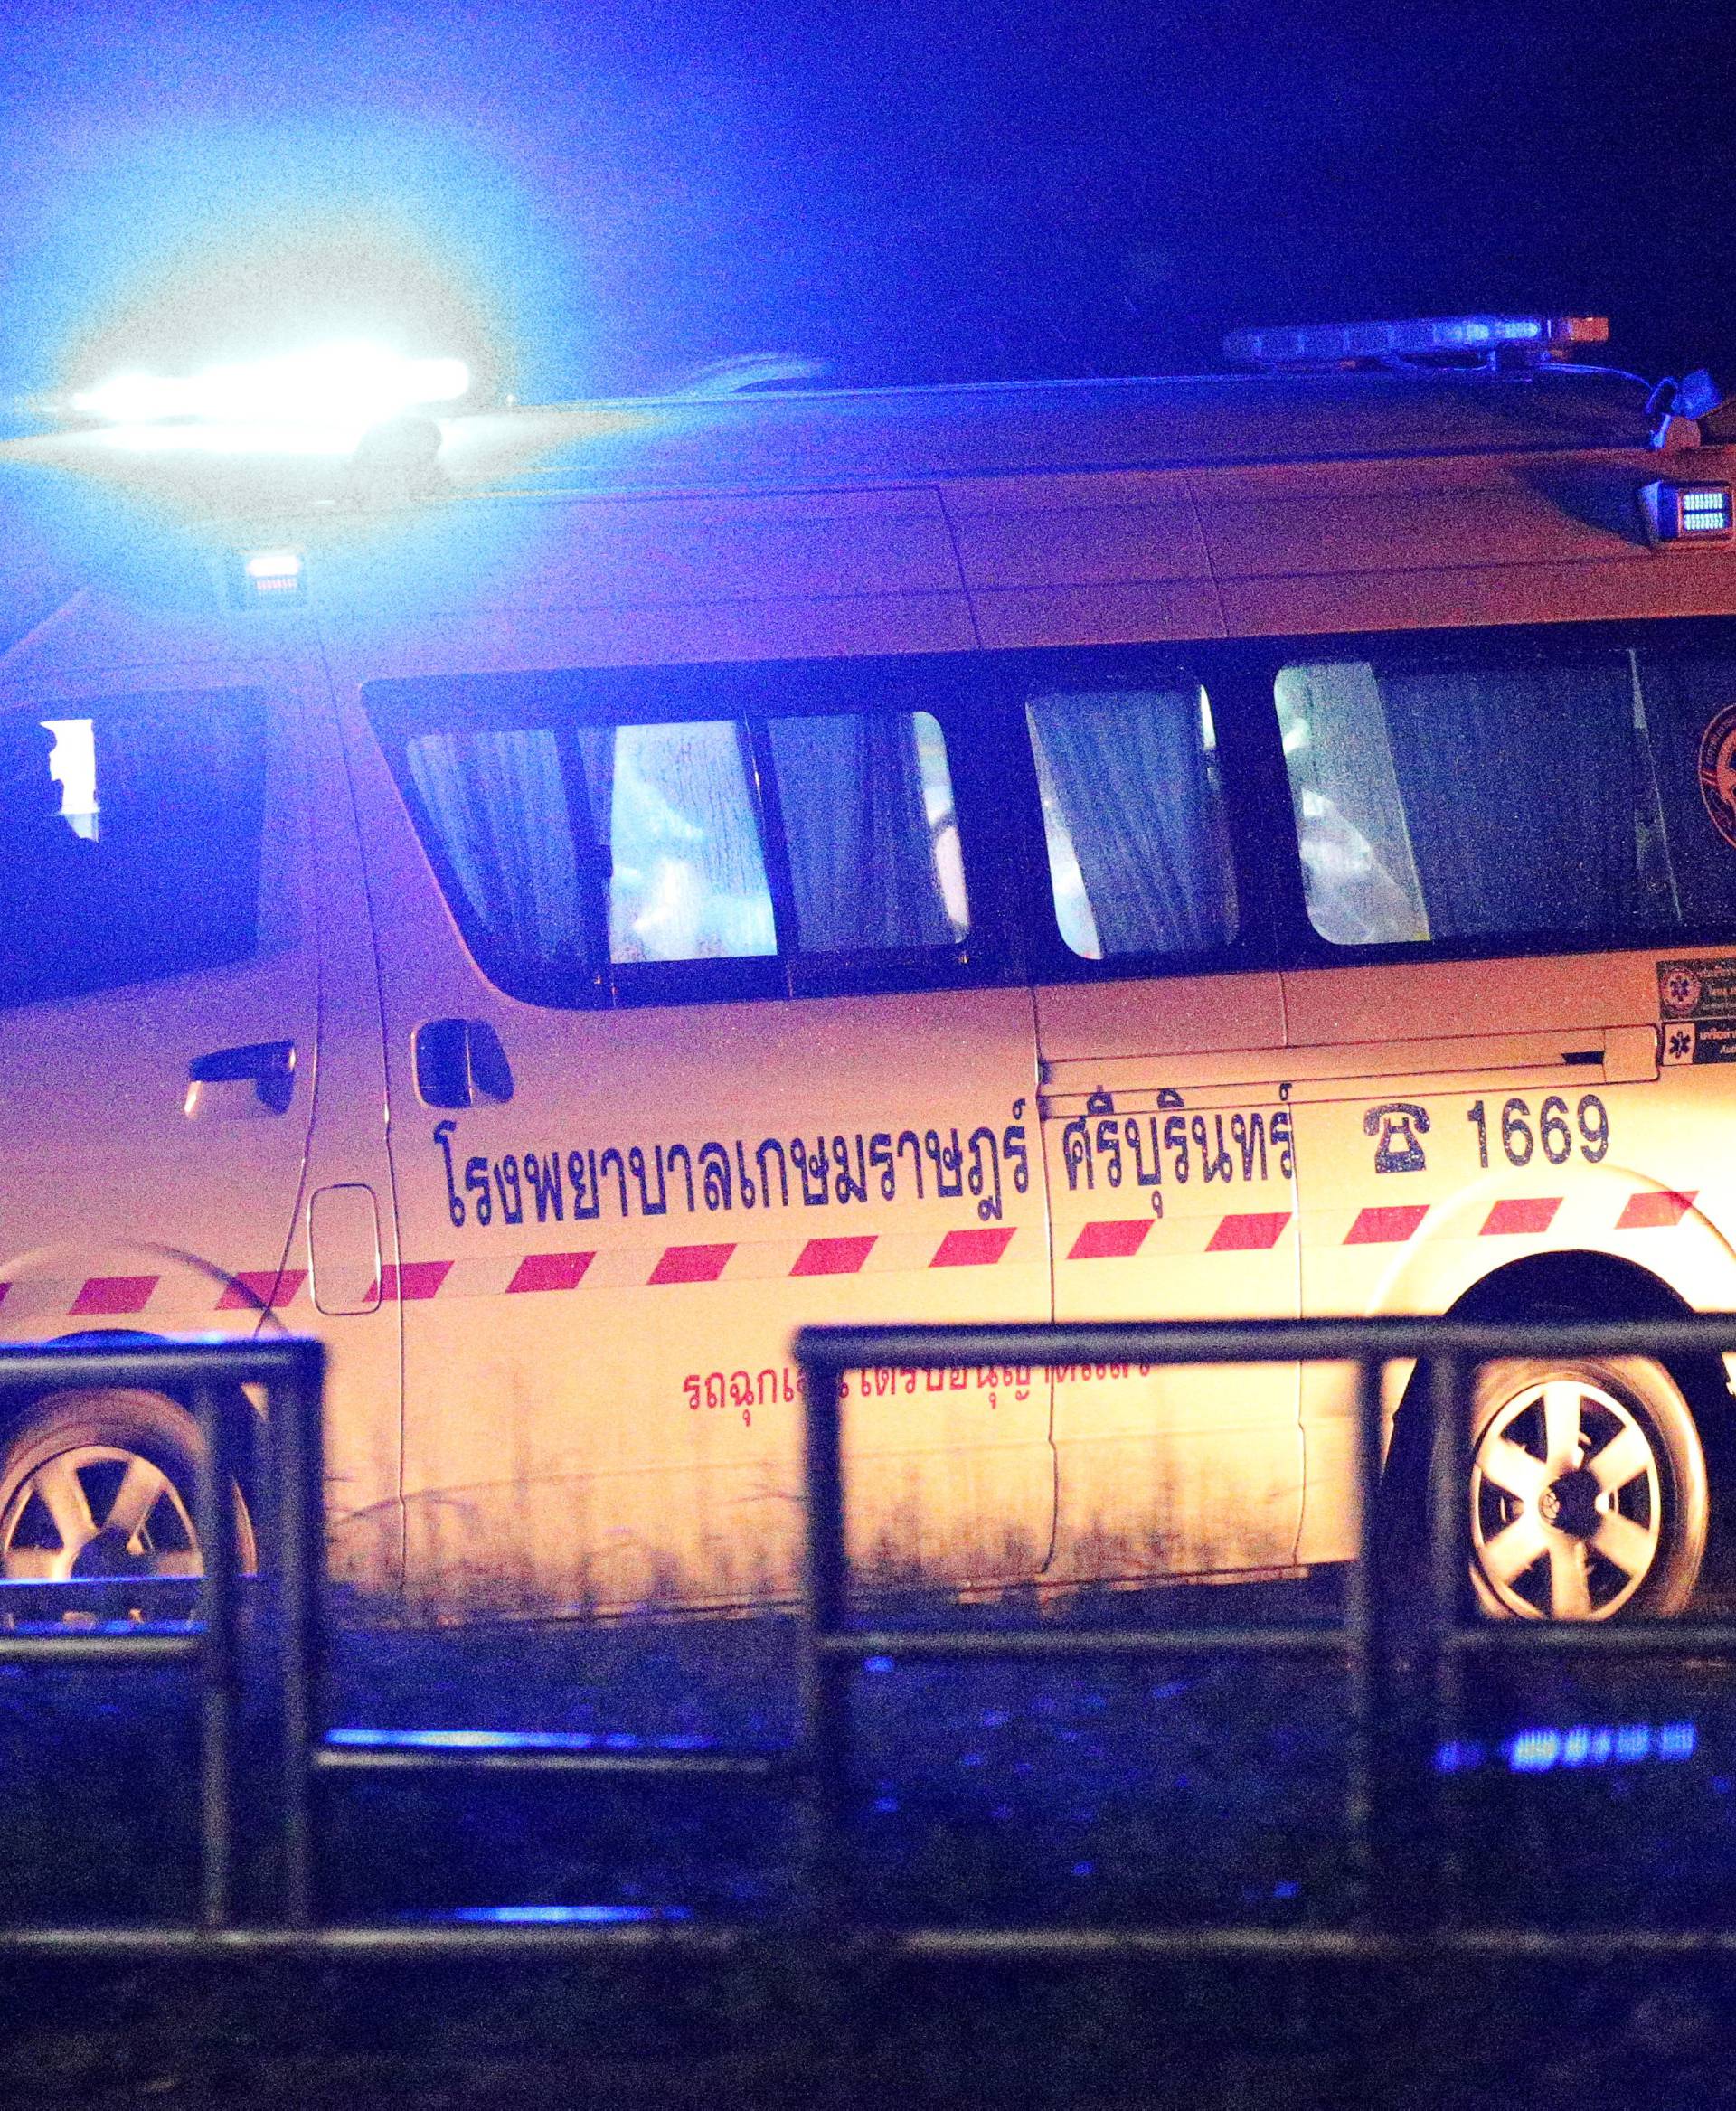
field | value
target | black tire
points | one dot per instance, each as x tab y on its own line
103	1486
1587	1494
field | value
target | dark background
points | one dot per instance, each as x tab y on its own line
598	199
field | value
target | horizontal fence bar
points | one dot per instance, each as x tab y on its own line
460	1942
25	1370
1592	1639
91	1652
1254	1340
449	1759
943	1644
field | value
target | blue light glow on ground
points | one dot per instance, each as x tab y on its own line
513	1740
1545	1750
558	1916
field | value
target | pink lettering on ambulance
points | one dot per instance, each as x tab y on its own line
409	1282
109	1294
1110	1238
1389	1226
1654	1209
1520	1213
833	1257
1254	1231
692	1264
261	1289
973	1248
550	1271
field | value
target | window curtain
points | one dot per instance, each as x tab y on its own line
861	854
498	804
1134	790
1518	787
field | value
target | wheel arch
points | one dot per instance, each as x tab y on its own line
1586	1283
247	1418
1590	1284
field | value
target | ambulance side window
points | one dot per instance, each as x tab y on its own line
1547	797
1134	821
686	833
131	838
569	849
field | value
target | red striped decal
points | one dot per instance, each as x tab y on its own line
692	1264
550	1271
1248	1234
409	1281
833	1257
116	1294
1656	1206
261	1289
972	1249
1110	1238
1386	1227
1522	1214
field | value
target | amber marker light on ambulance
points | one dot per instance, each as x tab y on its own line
272	575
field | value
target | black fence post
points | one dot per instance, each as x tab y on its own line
297	1473
825	1683
1449	1422
1368	1624
216	1507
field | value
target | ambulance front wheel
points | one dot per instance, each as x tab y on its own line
103	1487
1587	1491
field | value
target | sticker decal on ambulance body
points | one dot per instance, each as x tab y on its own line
1718	772
1697	1002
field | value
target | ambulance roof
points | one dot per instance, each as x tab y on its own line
761	439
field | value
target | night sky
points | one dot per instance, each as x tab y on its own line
597	200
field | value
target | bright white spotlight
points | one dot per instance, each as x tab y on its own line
350	385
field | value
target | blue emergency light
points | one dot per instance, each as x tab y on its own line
1687	513
1434	337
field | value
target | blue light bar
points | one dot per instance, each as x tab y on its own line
1337	343
1687	513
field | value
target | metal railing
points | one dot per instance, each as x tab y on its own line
1426	1690
210	1376
1402	1827
288	1494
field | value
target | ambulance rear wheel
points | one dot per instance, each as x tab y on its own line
1587	1491
102	1487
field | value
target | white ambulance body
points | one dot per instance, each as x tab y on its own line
552	923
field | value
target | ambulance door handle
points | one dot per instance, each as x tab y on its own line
268	1066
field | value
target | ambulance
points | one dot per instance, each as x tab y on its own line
551	899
